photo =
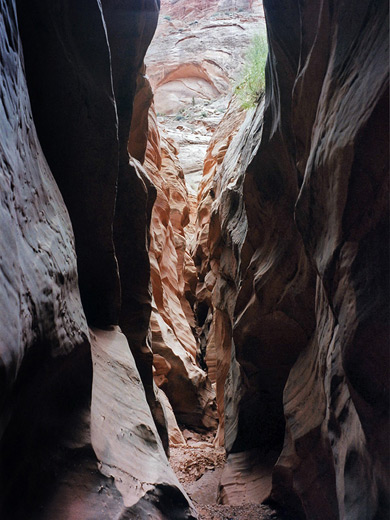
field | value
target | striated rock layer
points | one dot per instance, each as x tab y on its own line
301	239
186	385
198	51
200	8
60	458
213	318
173	274
336	452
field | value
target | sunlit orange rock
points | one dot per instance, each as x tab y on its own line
213	318
173	274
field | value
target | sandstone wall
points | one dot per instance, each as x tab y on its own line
212	310
195	9
302	235
336	399
172	275
43	328
198	52
81	64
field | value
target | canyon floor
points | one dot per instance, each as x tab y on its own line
198	467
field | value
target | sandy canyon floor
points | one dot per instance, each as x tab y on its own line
198	467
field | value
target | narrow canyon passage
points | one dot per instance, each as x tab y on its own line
193	119
194	262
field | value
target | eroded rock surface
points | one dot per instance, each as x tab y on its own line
173	279
198	51
40	297
42	321
336	398
307	263
81	76
128	445
213	319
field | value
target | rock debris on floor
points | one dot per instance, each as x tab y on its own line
198	467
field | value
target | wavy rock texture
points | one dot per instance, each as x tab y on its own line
211	334
336	452
81	71
40	298
312	270
195	57
84	136
128	444
252	369
176	438
172	275
43	329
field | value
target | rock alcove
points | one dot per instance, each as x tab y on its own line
118	286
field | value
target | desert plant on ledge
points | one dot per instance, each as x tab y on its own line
251	83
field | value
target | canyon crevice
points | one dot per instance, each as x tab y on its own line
132	309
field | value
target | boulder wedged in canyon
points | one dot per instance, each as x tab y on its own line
81	85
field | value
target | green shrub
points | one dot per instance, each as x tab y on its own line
167	17
251	83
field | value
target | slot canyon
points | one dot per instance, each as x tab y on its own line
194	290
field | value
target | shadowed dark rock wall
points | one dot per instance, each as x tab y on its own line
45	377
336	452
69	77
82	93
305	243
56	445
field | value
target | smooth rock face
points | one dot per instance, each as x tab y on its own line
246	475
42	322
127	444
176	438
312	266
336	449
82	86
